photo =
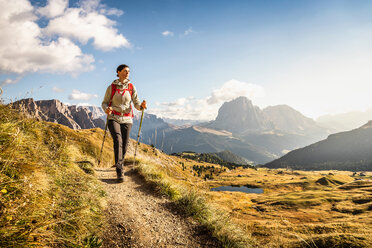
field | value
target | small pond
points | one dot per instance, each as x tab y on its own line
244	189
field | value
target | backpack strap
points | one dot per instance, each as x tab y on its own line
113	89
130	89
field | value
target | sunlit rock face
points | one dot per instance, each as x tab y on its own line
240	115
55	111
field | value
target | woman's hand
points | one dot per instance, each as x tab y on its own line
143	105
108	111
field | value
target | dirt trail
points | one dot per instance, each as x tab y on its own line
139	217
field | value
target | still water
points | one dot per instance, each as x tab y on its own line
244	189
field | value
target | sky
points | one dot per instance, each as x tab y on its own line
187	57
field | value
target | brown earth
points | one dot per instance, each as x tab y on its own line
137	216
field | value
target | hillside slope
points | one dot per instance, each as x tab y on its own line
350	150
49	195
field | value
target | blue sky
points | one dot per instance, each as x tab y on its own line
188	57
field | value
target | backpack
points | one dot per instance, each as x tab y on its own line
113	90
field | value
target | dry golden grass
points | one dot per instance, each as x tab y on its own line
297	208
48	194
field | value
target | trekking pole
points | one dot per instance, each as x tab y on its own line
103	142
139	132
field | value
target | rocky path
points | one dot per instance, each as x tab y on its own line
139	217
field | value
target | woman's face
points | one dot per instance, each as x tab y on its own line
124	74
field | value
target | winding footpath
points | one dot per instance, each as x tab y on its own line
139	217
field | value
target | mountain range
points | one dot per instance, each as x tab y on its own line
351	150
254	134
257	135
346	121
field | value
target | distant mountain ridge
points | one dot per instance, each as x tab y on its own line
152	130
287	119
351	150
182	122
258	136
345	121
82	117
255	143
241	116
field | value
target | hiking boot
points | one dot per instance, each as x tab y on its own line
119	174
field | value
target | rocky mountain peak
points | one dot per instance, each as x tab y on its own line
57	112
240	115
288	119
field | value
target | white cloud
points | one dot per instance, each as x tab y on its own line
188	31
89	5
57	90
96	5
207	108
77	95
167	33
24	47
53	8
233	89
10	81
111	12
88	22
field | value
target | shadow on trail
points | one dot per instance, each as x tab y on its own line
109	169
110	180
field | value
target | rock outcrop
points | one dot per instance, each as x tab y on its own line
240	115
55	111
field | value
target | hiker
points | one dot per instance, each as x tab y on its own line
118	107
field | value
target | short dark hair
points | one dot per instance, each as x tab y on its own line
120	68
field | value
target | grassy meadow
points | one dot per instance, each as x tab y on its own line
297	208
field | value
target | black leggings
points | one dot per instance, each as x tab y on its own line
120	135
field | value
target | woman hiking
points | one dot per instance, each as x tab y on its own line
118	107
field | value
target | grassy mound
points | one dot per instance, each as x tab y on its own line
327	181
48	195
